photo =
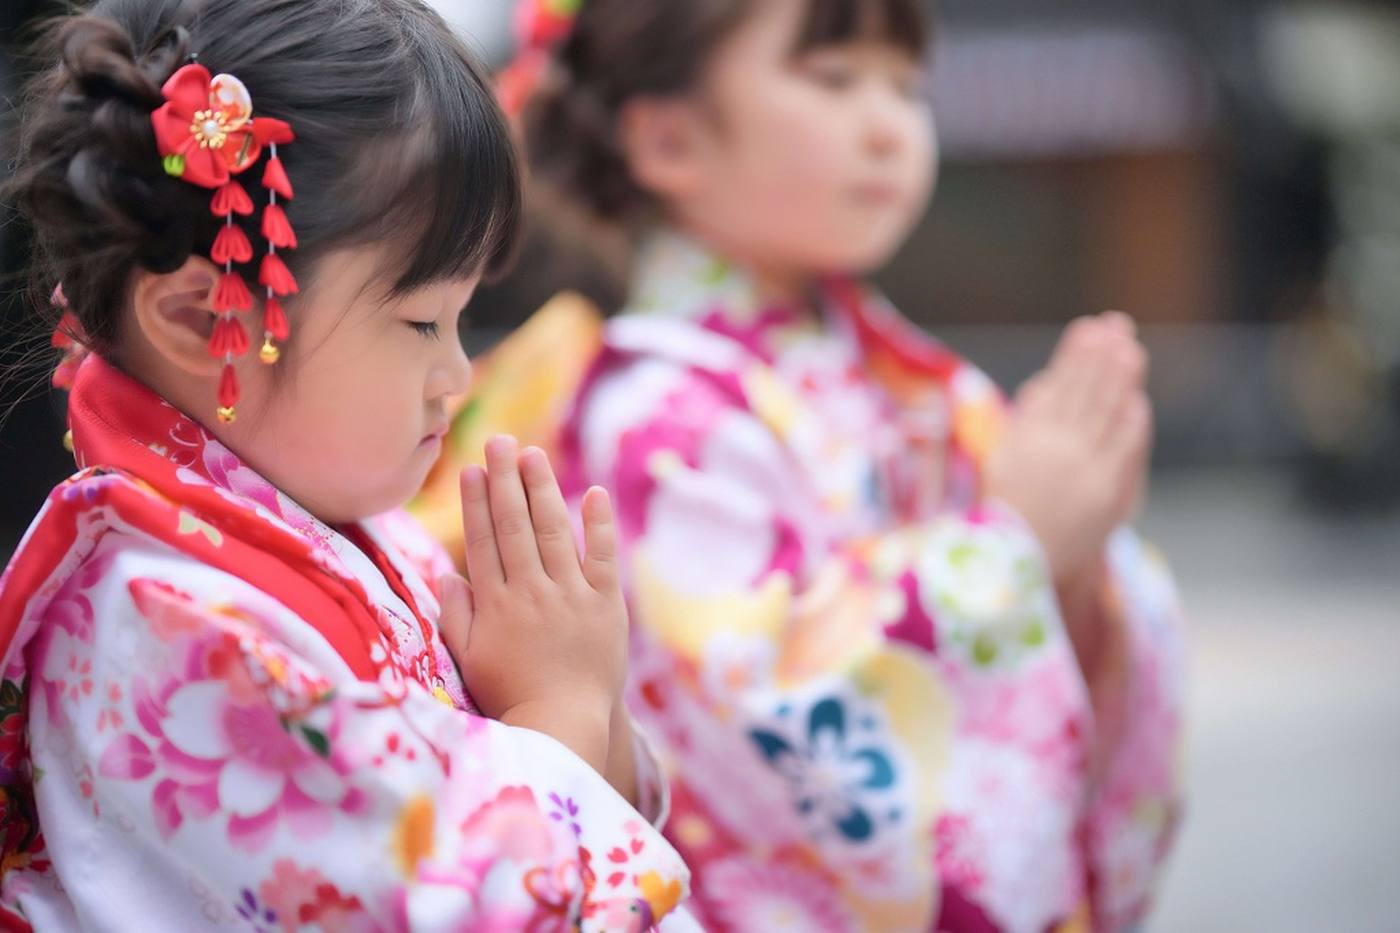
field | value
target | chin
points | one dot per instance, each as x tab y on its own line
863	258
367	503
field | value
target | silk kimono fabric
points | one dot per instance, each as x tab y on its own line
218	712
852	661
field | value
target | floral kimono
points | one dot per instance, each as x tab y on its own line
853	662
218	713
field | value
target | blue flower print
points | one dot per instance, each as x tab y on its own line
839	777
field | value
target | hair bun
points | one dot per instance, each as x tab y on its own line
101	62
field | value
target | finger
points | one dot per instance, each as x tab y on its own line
1123	376
1076	334
550	516
510	512
1120	321
1135	455
1034	393
599	540
1131	442
456	620
1133	356
1079	376
483	562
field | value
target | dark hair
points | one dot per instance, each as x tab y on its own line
621	49
399	139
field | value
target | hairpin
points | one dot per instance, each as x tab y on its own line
207	135
541	26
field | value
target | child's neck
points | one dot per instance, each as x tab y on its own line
781	287
774	284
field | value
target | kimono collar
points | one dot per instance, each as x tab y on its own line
678	278
151	470
119	423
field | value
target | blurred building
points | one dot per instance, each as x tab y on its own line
1221	170
1226	170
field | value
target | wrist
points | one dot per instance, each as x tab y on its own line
622	764
582	725
1080	586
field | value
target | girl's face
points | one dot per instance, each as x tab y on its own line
817	162
351	425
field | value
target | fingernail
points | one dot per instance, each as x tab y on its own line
452	588
596	502
502	445
473	475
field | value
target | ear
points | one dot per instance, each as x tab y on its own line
175	313
662	141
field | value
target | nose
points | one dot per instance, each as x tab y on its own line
884	125
452	375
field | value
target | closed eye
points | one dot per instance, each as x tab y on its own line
425	328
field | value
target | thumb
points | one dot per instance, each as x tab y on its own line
456	621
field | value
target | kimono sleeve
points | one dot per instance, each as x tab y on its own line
1137	803
241	759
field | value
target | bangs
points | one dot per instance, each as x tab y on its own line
903	24
446	195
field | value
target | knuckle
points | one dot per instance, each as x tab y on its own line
477	539
511	526
550	532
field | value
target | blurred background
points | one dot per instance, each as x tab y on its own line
1229	172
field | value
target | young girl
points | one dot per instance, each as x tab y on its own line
231	695
908	670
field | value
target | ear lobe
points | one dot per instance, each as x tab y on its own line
661	144
175	313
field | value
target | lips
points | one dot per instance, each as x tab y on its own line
878	192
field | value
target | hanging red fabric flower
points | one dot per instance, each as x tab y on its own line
230	338
230	198
231	294
276	276
275	320
277	229
275	179
231	245
229	392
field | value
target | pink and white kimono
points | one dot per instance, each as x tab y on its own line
219	713
853	663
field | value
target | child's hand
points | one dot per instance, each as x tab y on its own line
542	642
1074	457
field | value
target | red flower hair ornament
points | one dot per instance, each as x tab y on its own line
541	26
207	135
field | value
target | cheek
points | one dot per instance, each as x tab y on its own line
357	411
924	161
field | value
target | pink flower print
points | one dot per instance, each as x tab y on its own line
303	897
170	613
73	613
956	853
216	755
66	670
618	857
263	772
776	896
510	826
111	715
